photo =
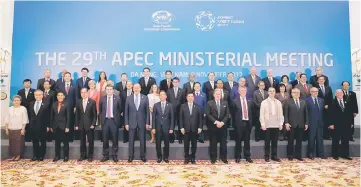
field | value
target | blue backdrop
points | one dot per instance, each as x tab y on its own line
284	36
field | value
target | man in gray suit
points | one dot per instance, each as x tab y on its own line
252	80
110	83
296	122
258	96
304	87
136	118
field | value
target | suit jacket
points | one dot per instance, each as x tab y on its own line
234	94
190	122
342	120
314	83
303	93
315	113
70	97
136	118
123	97
296	117
212	114
25	101
50	97
162	121
257	98
351	98
59	82
268	84
187	87
85	119
145	89
176	101
225	95
295	82
228	87
119	87
207	89
201	100
80	84
328	96
61	119
164	86
39	122
116	92
40	84
250	85
237	112
117	109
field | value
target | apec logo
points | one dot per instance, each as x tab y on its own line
206	21
162	17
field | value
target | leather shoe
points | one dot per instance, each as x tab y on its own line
56	159
249	160
180	141
143	159
311	157
336	158
257	139
125	141
225	161
90	159
201	141
81	159
115	158
186	161
299	159
323	157
267	159
290	158
41	159
130	159
104	159
193	161
238	160
66	159
166	160
171	141
275	159
159	160
34	158
347	158
213	161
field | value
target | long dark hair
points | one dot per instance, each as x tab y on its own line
104	77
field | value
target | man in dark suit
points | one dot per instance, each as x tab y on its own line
49	98
296	121
60	81
110	108
209	86
224	93
86	117
297	80
304	87
167	82
217	113
242	117
325	92
351	98
235	93
315	107
137	119
41	81
342	118
201	100
163	125
122	85
270	81
39	120
176	97
146	81
252	80
190	121
258	96
314	78
188	87
60	118
123	95
230	83
27	96
82	82
115	91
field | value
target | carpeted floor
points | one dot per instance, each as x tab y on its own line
313	173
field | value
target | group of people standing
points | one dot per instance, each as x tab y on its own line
277	109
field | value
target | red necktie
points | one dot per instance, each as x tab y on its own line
197	94
244	109
67	89
59	106
305	86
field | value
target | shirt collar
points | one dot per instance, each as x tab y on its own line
86	99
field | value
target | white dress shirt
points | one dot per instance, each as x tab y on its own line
110	102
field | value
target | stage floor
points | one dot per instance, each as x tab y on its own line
287	173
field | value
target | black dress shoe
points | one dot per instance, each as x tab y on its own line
41	159
267	159
66	159
352	140
171	141
201	141
125	141
275	159
81	159
56	159
115	158
225	161
257	139
311	157
249	160
180	141
193	161
299	159
130	159
143	159
280	138
166	160
90	159
186	161
104	159
347	158
336	158
323	157
290	158
159	160
213	161
34	158
238	160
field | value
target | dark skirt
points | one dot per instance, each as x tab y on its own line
16	143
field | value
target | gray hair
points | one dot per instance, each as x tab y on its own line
17	96
338	90
39	91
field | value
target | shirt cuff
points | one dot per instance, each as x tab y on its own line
182	128
216	122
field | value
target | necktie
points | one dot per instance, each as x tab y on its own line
305	87
109	114
175	92
123	84
146	81
45	94
316	103
254	80
231	85
323	90
191	85
341	105
271	81
84	79
197	94
37	108
136	102
297	104
128	93
67	89
244	109
190	108
168	83
262	93
218	108
84	105
163	108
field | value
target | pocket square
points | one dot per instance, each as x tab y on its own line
224	106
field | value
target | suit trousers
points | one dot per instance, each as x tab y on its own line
343	135
61	136
142	140
110	128
243	134
160	135
125	135
83	134
190	137
39	143
295	133
221	134
176	134
201	135
271	138
258	132
315	136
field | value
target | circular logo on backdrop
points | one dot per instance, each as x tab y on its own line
205	20
3	95
162	17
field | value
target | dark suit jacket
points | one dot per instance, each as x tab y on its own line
40	84
328	97
237	112
294	83
176	101
61	119
59	82
341	120
207	89
294	116
70	98
201	100
250	85
351	98
39	122
189	122
50	98
234	93
83	120
136	118
212	114
314	83
145	89
79	85
119	86
117	109
162	121
268	84
187	87
164	86
303	93
257	98
315	113
25	101
228	87
123	96
225	97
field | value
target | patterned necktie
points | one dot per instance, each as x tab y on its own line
45	94
341	105
136	102
175	92
37	108
316	103
218	108
297	104
323	90
271	81
244	109
163	108
84	79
